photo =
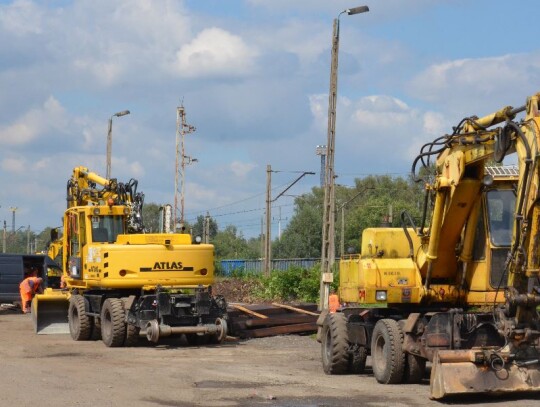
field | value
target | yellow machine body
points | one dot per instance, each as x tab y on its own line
385	272
129	260
102	248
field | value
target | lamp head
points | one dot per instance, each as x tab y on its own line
122	113
357	10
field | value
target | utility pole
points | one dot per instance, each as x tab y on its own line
182	128
328	252
267	237
109	142
262	239
328	249
4	238
206	228
28	248
269	200
13	209
279	225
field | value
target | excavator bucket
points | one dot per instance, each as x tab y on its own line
455	372
50	313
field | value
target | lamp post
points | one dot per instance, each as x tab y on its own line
328	232
109	141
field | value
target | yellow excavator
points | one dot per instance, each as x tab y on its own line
121	283
461	290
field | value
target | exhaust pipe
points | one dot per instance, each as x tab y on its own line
154	331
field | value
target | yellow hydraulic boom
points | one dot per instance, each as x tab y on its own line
411	296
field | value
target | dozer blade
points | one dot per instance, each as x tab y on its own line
454	372
50	313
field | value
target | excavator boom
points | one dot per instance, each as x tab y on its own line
461	289
514	367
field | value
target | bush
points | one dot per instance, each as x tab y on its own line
294	284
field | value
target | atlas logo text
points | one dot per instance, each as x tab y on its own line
165	265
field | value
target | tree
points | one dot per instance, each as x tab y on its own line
303	235
230	244
368	204
150	214
198	227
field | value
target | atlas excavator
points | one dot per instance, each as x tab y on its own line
461	289
121	283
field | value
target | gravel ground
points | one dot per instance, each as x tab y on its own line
53	370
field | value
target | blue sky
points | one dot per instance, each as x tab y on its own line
253	76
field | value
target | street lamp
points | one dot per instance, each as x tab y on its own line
328	232
109	141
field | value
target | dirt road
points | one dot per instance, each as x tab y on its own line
53	370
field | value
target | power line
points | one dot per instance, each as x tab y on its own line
235	202
245	211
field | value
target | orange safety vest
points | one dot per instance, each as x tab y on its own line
27	289
333	303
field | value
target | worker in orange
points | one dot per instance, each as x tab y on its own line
31	285
333	301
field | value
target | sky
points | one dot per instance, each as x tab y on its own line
253	77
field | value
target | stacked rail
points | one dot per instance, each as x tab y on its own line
262	320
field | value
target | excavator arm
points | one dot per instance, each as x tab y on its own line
88	188
460	163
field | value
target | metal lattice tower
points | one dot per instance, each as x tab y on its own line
321	150
182	128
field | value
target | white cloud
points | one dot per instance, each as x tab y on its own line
13	165
377	133
241	169
434	124
37	121
105	72
303	38
381	111
215	52
318	104
478	83
136	169
20	18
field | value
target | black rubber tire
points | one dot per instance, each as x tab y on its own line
132	335
80	324
387	357
415	369
113	323
357	360
335	344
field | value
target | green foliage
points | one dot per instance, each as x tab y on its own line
230	244
198	227
150	214
373	201
302	237
294	284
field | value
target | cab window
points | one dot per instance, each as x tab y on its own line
501	204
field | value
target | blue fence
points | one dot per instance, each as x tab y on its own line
256	266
